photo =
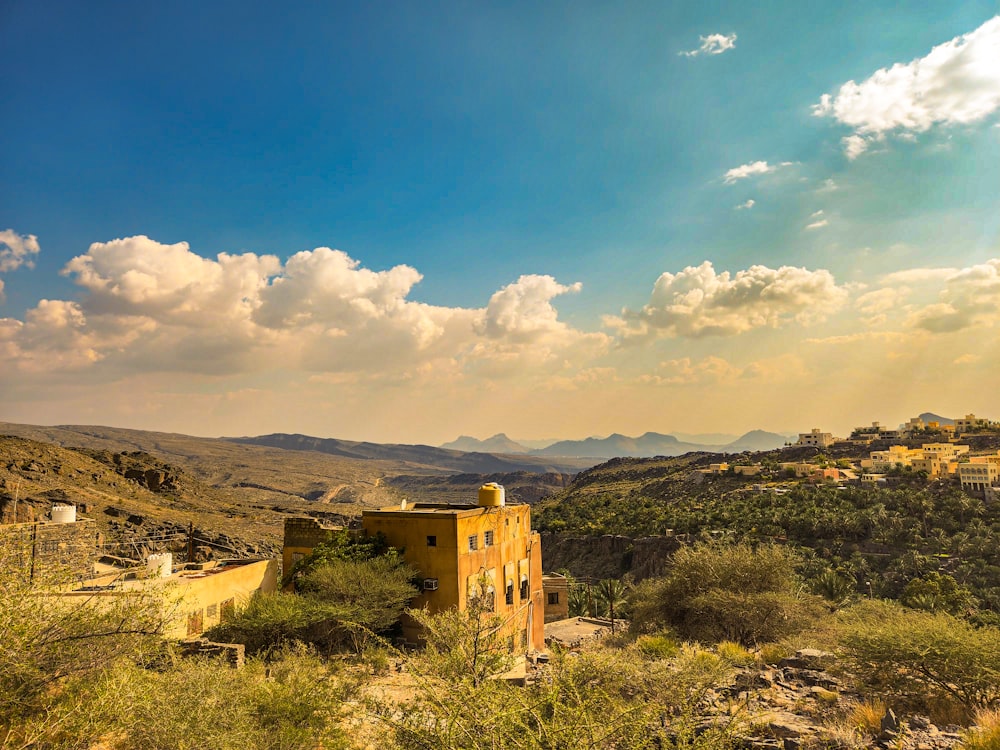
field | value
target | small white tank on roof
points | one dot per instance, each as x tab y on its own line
63	514
160	565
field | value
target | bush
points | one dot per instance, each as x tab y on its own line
921	656
657	646
736	593
343	603
293	701
985	735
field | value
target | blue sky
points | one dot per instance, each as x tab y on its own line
531	171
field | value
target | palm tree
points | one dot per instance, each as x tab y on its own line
609	599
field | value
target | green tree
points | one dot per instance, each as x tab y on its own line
738	593
465	645
51	642
343	602
921	655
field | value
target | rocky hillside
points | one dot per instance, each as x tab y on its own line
521	486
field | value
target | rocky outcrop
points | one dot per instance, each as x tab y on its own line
608	556
789	706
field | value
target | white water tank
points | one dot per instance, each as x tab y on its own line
63	514
160	565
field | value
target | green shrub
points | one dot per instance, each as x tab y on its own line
738	593
657	646
734	653
921	656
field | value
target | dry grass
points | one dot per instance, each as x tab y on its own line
772	653
867	716
985	735
735	654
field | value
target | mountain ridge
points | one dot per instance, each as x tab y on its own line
647	445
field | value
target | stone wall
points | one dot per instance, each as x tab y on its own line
301	535
607	556
51	550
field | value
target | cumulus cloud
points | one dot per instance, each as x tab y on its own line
700	302
153	307
717	371
750	169
17	250
970	297
713	44
523	310
957	83
685	371
746	205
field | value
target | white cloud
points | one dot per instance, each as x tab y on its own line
957	83
816	221
17	250
746	205
713	44
523	310
970	298
751	168
918	275
829	185
699	302
153	307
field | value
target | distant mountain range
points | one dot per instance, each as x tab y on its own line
476	461
649	444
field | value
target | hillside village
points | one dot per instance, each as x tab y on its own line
533	600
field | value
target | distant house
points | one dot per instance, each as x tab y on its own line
971	423
936	459
868	434
816	438
556	590
981	474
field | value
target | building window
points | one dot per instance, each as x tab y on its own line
510	592
473	542
554	597
524	589
226	610
195	622
488	538
432	541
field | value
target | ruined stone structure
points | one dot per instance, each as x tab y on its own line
59	551
301	535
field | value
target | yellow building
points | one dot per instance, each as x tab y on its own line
195	598
456	548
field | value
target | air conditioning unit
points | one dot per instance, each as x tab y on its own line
430	584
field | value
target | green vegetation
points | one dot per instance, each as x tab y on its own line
601	698
933	655
854	541
122	688
735	593
350	590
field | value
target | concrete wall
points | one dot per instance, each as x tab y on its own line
193	601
